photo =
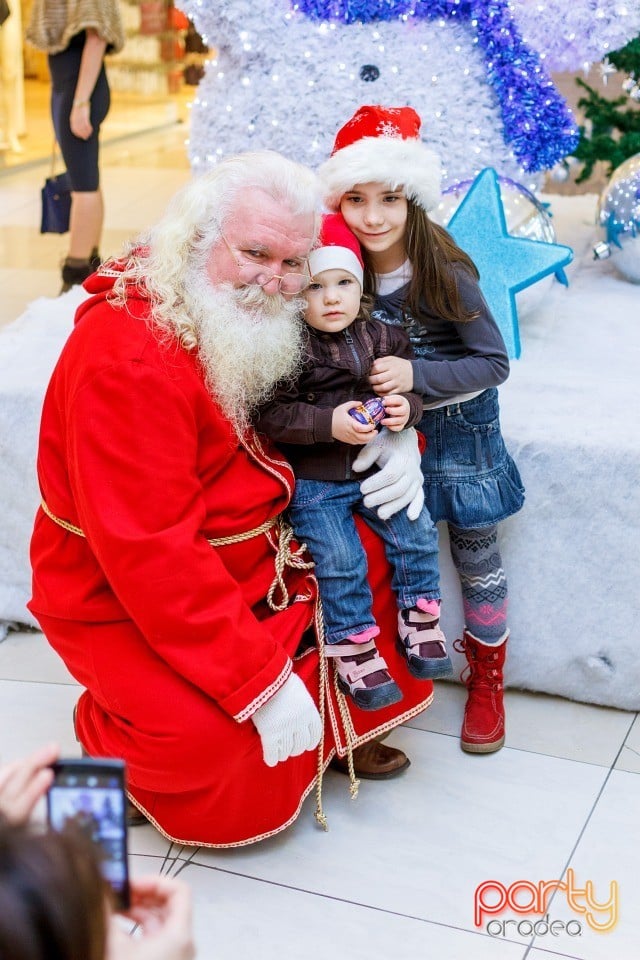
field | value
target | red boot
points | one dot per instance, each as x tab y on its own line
483	725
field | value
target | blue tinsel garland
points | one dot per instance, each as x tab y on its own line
537	121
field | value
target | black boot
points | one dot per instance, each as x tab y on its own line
74	272
95	260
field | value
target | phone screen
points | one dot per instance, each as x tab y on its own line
90	795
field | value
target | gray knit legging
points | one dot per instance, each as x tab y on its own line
477	559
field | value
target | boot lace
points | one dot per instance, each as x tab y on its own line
478	672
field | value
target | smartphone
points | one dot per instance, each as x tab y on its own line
90	794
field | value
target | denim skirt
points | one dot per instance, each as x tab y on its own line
469	478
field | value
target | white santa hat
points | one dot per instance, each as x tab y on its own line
338	249
382	145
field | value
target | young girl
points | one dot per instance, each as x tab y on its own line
311	418
385	182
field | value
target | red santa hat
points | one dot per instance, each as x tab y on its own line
382	145
338	249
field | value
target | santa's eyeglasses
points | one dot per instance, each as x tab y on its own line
250	273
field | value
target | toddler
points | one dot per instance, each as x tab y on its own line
310	420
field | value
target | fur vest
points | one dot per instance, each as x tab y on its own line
54	22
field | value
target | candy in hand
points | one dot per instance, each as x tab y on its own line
370	412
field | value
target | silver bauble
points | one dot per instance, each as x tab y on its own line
619	216
525	216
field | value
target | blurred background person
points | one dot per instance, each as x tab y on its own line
76	35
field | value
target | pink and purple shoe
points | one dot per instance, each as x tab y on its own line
421	641
363	675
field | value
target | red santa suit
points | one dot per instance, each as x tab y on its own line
172	635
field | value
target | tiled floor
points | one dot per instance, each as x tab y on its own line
395	876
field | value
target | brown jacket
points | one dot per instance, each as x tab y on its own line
336	369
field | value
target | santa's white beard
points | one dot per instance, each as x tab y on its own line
247	342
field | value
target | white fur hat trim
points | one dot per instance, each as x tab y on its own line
390	160
336	258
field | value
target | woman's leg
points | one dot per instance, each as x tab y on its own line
85	228
477	559
81	158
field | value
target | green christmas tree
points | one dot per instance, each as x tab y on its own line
614	125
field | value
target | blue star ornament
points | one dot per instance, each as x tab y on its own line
506	264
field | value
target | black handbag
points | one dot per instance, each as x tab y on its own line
56	201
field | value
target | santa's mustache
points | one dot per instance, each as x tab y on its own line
261	305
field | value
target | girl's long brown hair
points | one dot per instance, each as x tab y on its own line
432	252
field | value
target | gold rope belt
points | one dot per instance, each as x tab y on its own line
247	535
285	556
61	523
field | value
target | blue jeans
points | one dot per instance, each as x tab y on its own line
321	514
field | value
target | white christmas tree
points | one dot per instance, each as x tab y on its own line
288	74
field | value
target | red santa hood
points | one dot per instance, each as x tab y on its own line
100	284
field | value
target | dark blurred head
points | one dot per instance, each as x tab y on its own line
53	901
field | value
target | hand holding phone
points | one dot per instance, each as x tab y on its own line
161	906
24	782
89	795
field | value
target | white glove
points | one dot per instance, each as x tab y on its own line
289	723
399	482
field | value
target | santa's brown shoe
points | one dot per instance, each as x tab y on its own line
374	761
135	817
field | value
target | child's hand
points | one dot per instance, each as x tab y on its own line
391	375
397	412
349	430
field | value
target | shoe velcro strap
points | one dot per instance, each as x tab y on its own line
422	641
422	624
354	673
415	640
342	649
